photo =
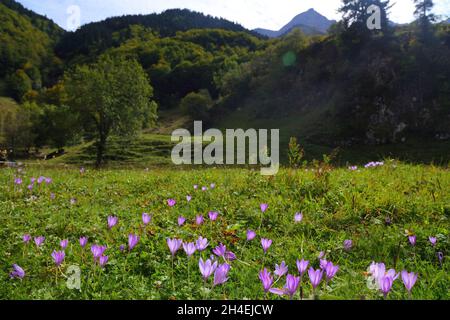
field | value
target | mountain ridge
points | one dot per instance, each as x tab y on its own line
39	21
310	22
166	24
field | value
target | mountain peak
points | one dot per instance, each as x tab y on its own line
310	22
311	10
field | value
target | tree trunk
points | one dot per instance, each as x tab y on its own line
101	147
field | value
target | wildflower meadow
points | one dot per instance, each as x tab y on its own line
374	232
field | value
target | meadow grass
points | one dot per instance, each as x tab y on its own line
376	208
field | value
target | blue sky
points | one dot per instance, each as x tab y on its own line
251	14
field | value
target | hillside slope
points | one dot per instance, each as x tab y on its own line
106	34
27	40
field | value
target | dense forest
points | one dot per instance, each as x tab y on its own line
350	86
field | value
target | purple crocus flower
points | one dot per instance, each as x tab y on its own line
97	251
146	218
353	168
321	254
409	279
73	201
39	240
220	250
195	186
213	215
189	248
292	283
266	243
52	196
331	270
302	266
315	276
58	257
18	181
174	245
83	241
30	187
26	238
201	243
17	272
207	268
171	202
64	243
440	256
278	291
103	260
412	240
281	269
122	247
230	256
212	185
374	164
348	244
263	207
393	274
385	284
181	220
251	235
433	240
388	221
377	270
132	241
32	180
298	217
204	188
40	179
266	279
188	198
221	274
199	219
82	170
112	221
323	263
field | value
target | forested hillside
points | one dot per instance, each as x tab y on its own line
27	57
99	36
347	88
350	87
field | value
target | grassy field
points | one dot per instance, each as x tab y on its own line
376	208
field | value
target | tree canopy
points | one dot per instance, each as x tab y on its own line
110	96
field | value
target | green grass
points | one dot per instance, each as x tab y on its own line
145	150
339	205
154	149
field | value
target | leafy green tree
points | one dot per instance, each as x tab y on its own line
110	96
197	105
19	84
355	14
425	17
18	127
57	126
423	7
